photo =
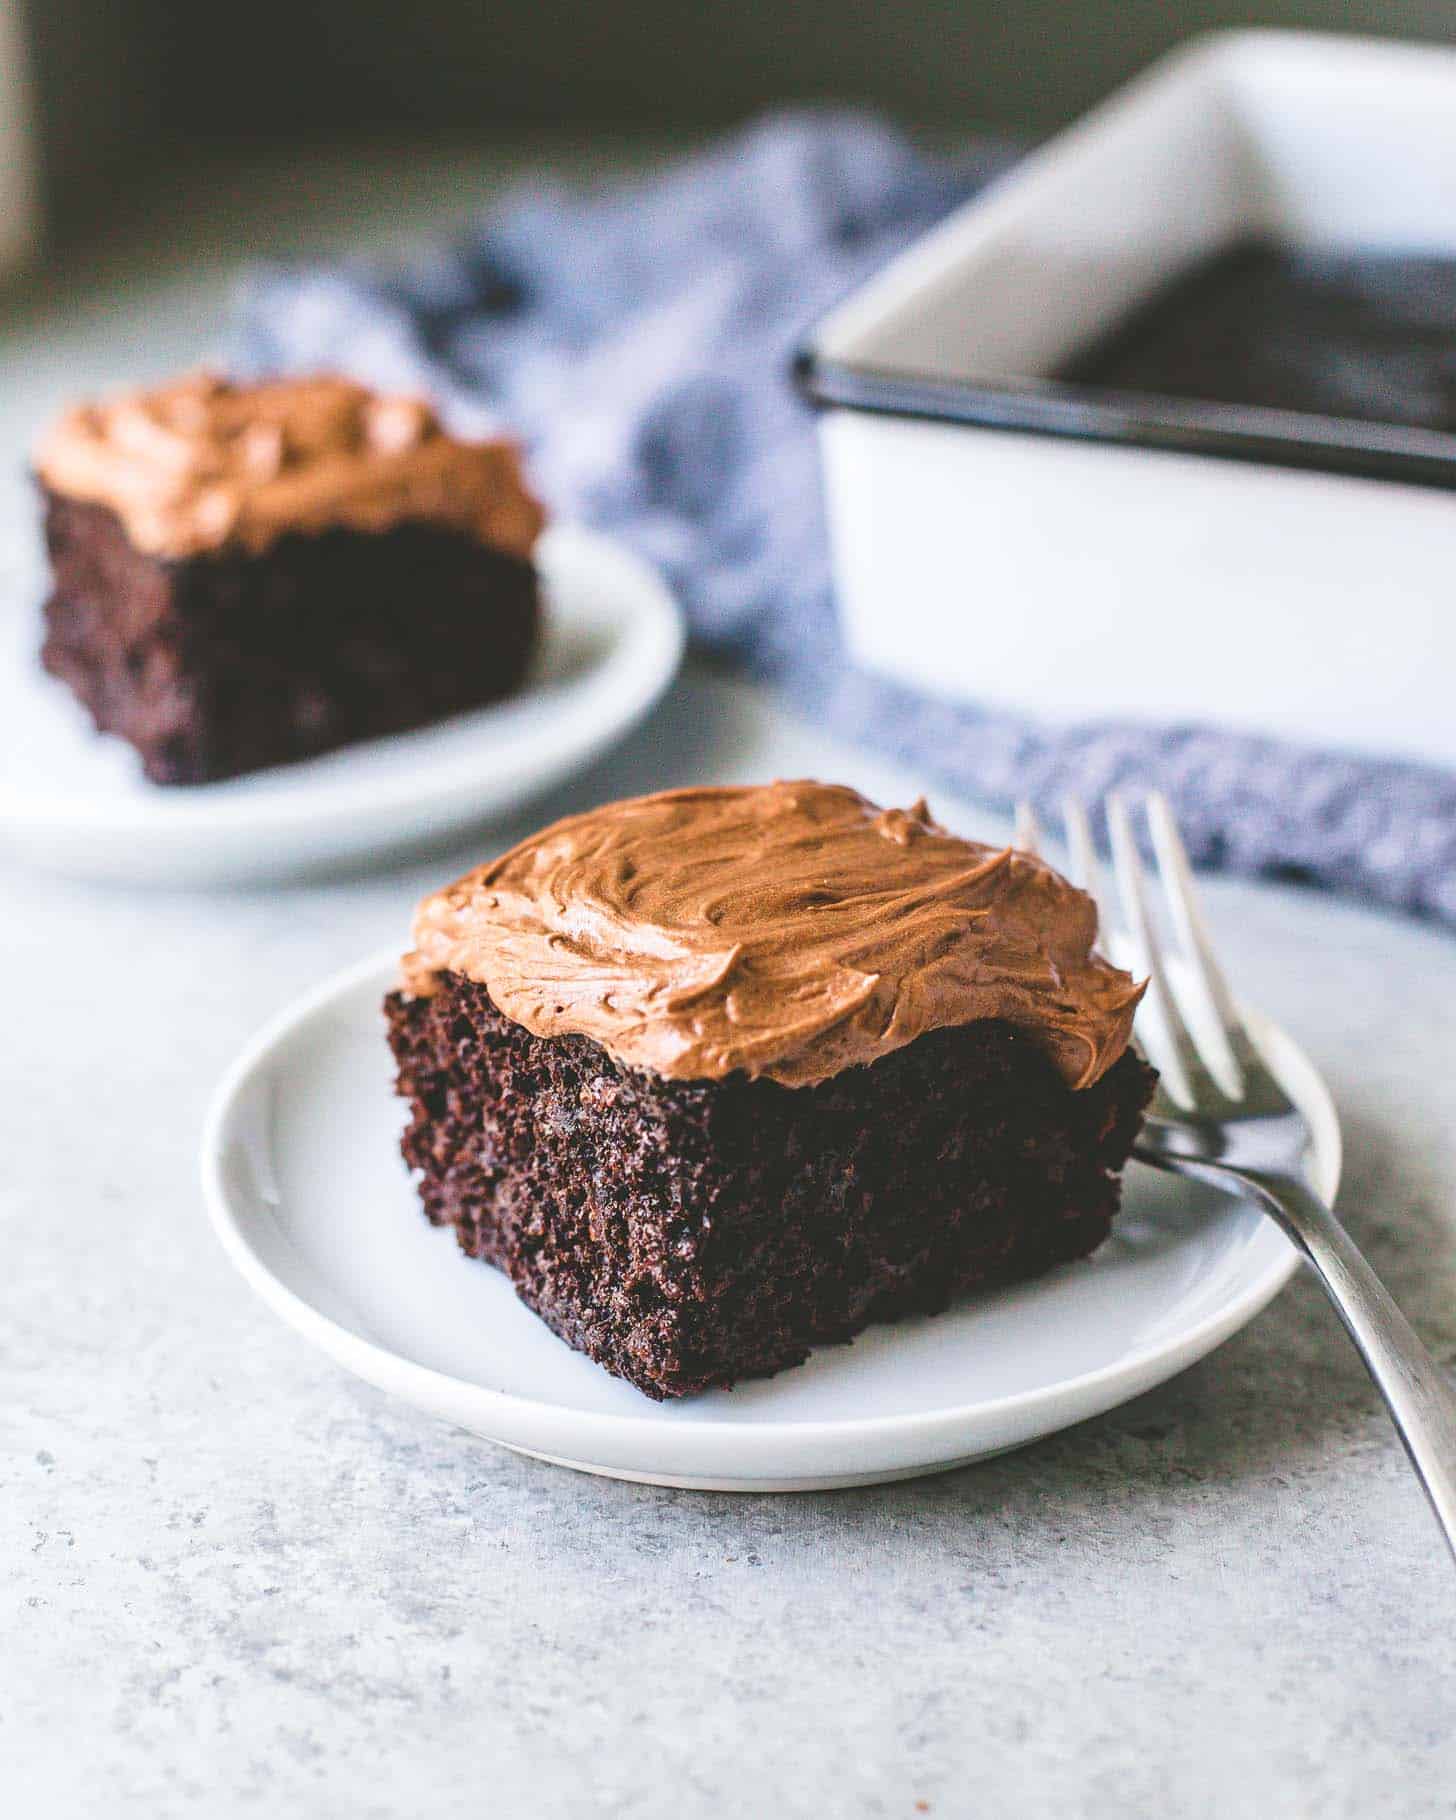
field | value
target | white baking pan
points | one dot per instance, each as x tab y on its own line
1005	538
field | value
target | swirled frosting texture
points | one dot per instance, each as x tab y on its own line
202	463
790	930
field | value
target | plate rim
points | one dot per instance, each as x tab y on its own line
393	1371
655	640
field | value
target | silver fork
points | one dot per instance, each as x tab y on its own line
1223	1118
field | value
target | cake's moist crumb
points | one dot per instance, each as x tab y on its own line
686	1234
215	665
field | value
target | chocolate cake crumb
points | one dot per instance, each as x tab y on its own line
217	664
687	1234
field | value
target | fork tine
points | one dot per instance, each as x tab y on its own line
1176	877
1085	869
1173	1050
1028	828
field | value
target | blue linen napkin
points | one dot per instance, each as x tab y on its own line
639	340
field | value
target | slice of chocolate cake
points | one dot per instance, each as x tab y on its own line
717	1075
245	575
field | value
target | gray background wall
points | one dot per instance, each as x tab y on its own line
124	80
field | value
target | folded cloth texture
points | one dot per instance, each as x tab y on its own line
640	339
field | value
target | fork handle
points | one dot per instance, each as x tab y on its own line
1417	1393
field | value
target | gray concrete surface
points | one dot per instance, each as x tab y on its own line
235	1581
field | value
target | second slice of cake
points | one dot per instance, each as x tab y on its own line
250	574
717	1075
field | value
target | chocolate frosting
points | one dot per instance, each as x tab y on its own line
789	930
202	463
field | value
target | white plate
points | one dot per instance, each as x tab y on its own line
76	803
307	1191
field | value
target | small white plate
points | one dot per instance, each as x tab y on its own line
76	803
312	1202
